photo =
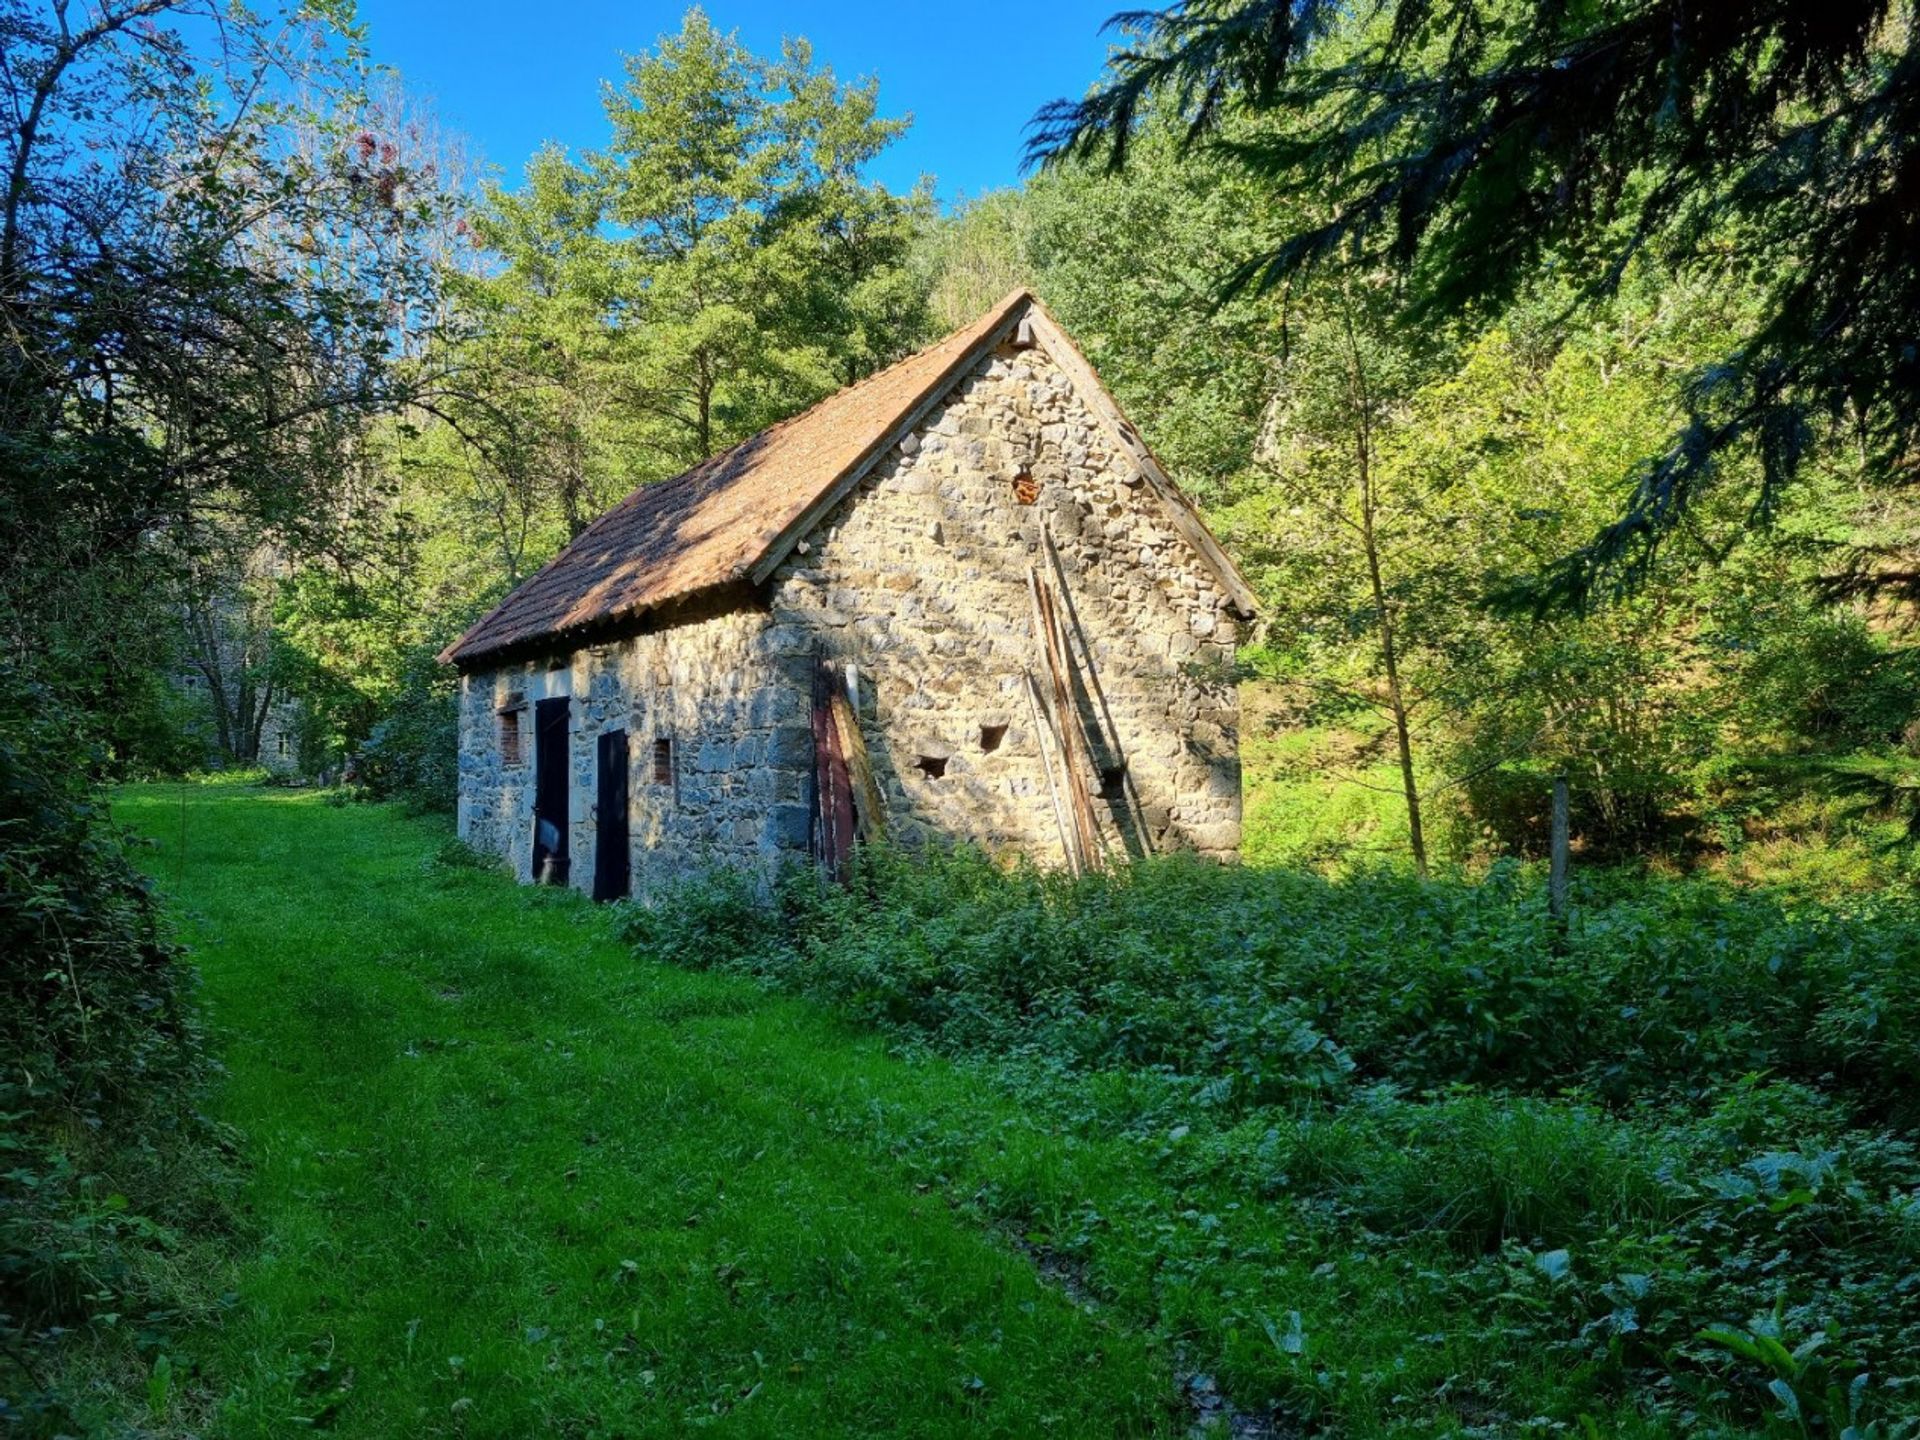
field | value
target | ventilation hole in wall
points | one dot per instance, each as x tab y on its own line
932	766
663	761
509	737
1113	781
990	738
1026	489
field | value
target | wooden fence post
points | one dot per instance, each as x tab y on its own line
1557	866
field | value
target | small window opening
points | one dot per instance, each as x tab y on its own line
281	746
663	761
1113	781
990	738
510	737
1026	489
932	766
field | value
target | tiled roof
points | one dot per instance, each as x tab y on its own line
713	525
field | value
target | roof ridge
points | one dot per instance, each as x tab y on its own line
663	548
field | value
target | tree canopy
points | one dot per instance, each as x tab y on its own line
1472	146
720	262
209	267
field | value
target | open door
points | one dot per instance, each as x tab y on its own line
550	790
847	806
612	871
831	793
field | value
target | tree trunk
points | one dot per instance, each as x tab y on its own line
704	427
574	466
1369	539
204	634
1558	847
258	709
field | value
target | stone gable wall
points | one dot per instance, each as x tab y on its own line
919	581
920	578
280	738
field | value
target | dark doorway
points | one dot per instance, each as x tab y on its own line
612	874
550	786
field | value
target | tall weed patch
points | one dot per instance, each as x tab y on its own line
1693	1110
1276	983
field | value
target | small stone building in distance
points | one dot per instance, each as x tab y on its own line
958	600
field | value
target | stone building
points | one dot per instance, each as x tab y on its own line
958	599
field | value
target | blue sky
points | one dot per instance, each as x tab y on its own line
510	75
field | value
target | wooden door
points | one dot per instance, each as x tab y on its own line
832	788
612	871
551	786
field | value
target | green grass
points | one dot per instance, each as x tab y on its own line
504	1180
1339	1146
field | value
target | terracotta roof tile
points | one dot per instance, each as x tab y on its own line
712	525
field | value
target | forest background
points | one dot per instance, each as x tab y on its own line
485	364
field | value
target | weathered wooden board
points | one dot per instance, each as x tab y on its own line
869	809
832	790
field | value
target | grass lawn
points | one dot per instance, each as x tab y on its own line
1331	1148
504	1180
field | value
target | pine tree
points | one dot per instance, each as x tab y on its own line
1473	144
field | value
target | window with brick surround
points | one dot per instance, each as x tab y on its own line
510	738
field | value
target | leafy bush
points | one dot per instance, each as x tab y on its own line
1612	704
413	752
106	1162
1826	677
158	729
1281	982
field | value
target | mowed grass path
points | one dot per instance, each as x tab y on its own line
504	1179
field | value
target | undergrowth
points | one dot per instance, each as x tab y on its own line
108	1173
1619	1173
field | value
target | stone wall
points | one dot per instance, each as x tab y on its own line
727	693
920	578
918	581
280	738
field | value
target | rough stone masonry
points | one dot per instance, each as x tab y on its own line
918	582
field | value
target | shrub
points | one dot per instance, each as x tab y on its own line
106	1158
413	752
1277	983
1604	702
1826	677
